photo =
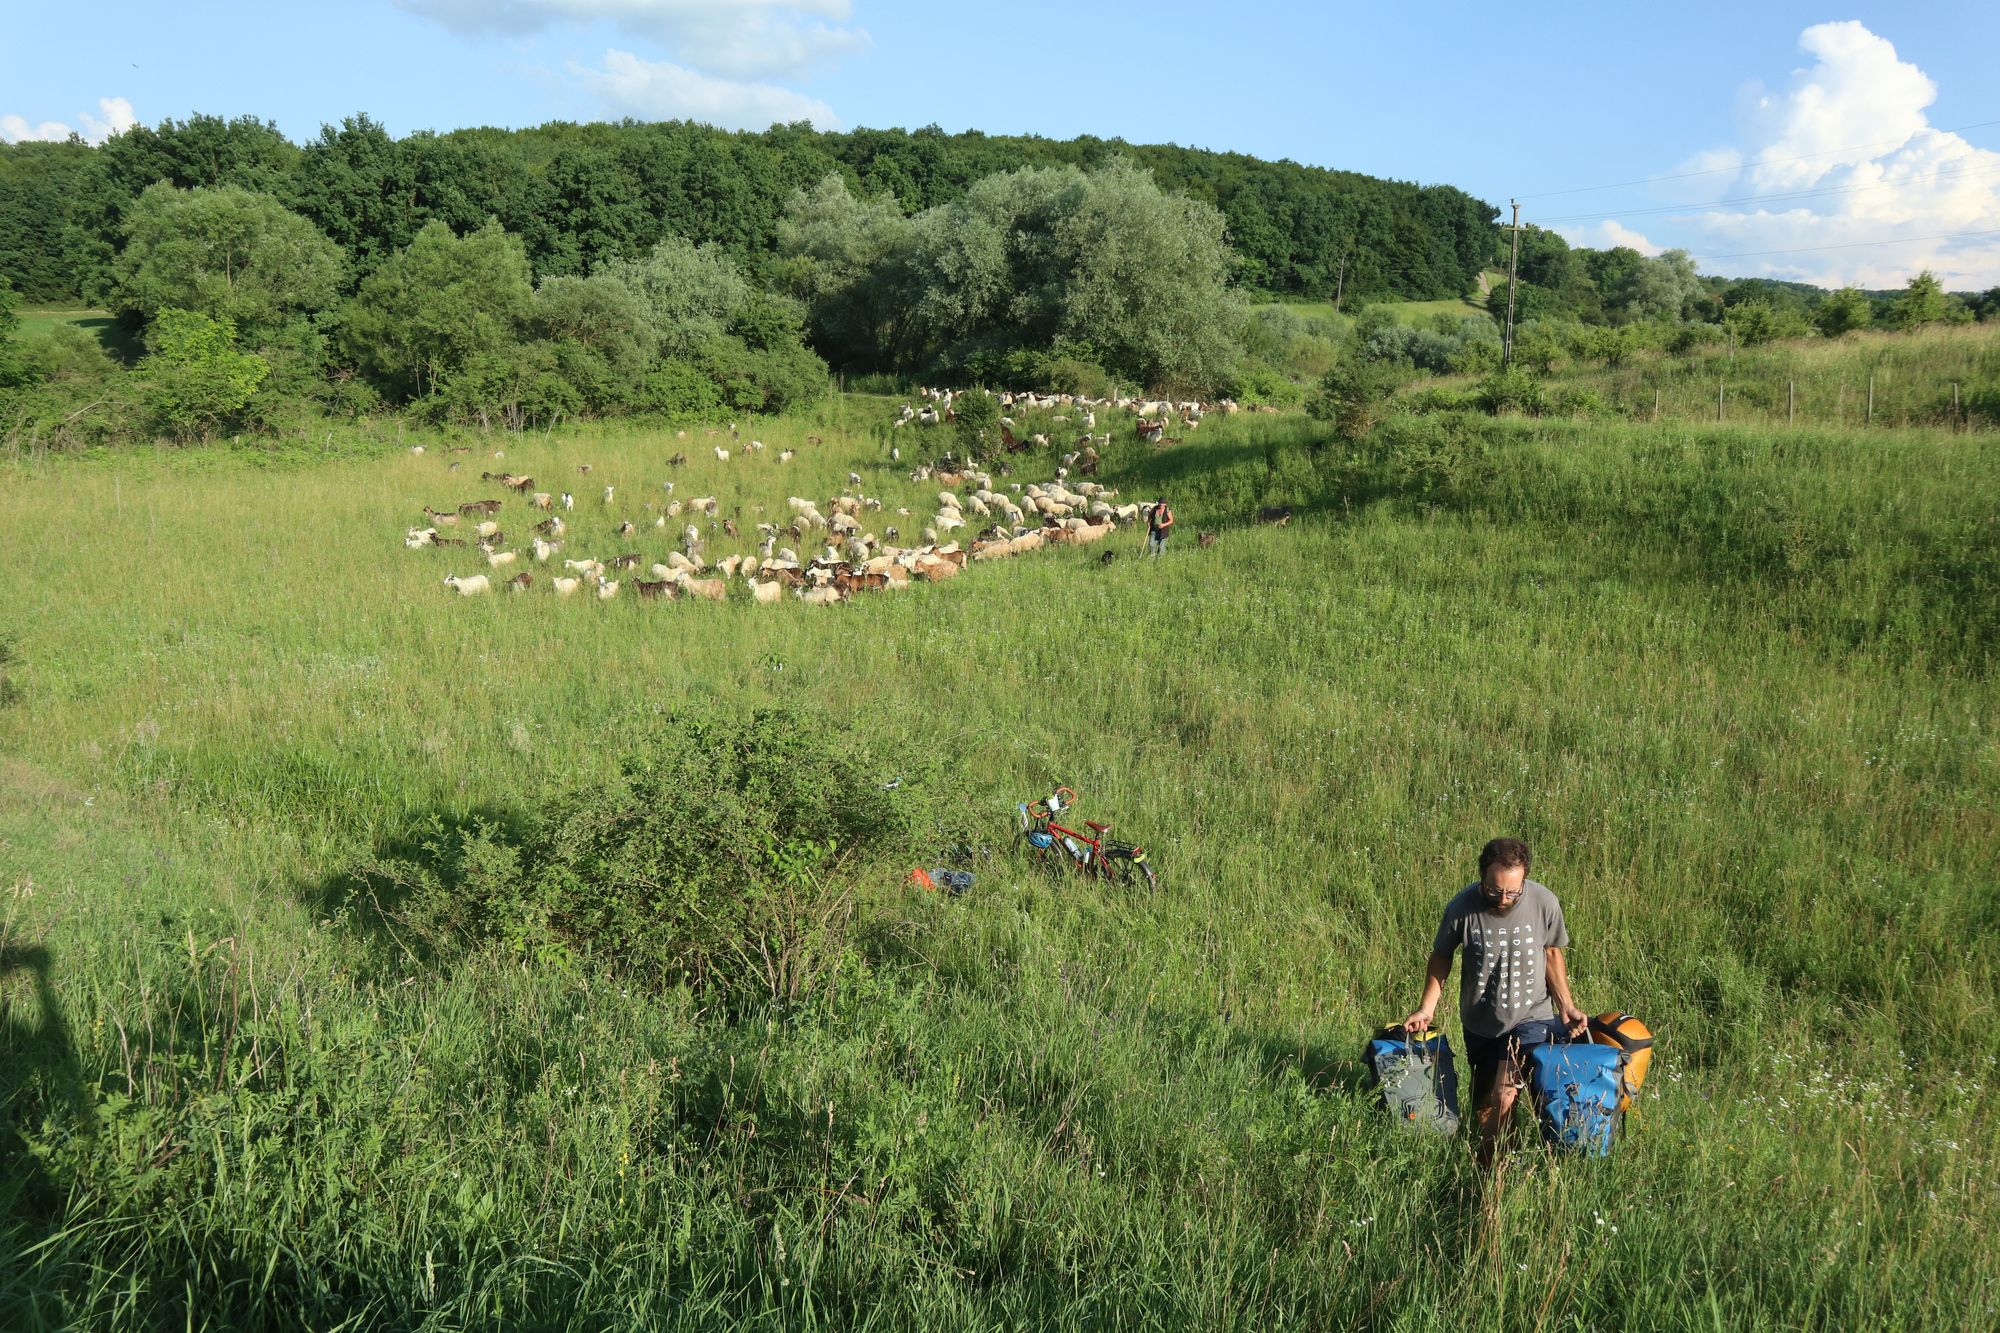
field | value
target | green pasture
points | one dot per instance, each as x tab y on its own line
100	323
1735	685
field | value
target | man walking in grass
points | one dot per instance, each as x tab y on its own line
1159	522
1513	993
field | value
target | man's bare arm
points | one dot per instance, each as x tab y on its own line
1435	972
1558	972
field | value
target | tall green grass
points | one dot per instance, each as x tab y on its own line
1734	685
1880	380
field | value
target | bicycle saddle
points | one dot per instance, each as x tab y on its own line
1097	827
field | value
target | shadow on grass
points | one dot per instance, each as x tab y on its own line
41	1090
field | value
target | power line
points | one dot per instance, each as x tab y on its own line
1853	245
1762	162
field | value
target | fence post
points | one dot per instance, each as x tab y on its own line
1718	400
1656	404
1791	401
1954	405
1871	399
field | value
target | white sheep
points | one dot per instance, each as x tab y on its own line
606	588
501	559
766	593
565	587
471	586
721	454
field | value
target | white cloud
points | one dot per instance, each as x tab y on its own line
657	90
116	118
1608	235
1849	140
738	38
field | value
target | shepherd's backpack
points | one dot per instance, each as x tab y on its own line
1416	1078
1578	1087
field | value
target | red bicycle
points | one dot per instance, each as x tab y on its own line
1057	847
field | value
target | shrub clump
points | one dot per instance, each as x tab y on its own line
724	857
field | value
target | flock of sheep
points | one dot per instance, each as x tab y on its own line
843	556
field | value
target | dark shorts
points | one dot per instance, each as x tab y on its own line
1486	1054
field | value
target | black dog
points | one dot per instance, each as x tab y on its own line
1107	558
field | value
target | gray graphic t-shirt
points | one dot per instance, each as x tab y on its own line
1504	980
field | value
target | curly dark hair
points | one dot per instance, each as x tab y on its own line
1504	852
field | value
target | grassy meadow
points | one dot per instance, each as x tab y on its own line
1735	685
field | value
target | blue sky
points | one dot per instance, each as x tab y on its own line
1830	145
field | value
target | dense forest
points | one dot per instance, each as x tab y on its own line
579	195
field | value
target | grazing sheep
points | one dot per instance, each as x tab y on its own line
418	537
417	449
543	550
625	529
766	593
608	492
825	596
442	520
583	469
630	560
786	456
500	559
471	586
721	454
714	590
568	500
728	565
1205	539
678	460
591	568
521	582
606	588
543	500
471	507
654	591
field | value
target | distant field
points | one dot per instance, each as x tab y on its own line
40	319
1410	312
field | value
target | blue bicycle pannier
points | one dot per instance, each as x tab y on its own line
1576	1087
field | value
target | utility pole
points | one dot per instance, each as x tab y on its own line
1513	267
1340	283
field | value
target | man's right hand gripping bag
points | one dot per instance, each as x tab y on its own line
1415	1075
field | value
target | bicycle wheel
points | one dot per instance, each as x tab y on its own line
1128	868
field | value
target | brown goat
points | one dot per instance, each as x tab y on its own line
471	507
1206	539
653	592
